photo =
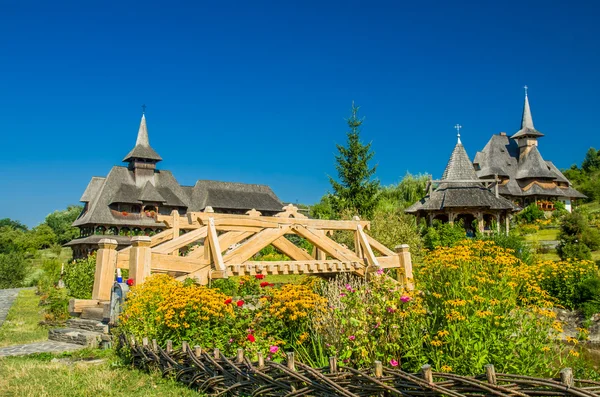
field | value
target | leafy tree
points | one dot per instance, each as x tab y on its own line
356	189
591	162
13	223
324	208
61	221
577	238
411	189
393	227
42	236
13	270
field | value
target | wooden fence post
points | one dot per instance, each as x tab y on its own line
140	259
490	374
154	345
378	369
261	360
169	346
332	365
566	377
240	356
197	351
106	264
405	266
427	373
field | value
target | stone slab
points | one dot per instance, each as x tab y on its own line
38	347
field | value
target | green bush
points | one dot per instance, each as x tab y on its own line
79	277
13	270
443	235
589	296
55	302
530	214
50	275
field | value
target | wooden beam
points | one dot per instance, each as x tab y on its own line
181	241
387	262
261	221
230	238
161	237
291	267
385	251
77	305
326	244
169	263
215	247
255	244
290	249
364	243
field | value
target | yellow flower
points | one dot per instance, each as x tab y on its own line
446	368
443	333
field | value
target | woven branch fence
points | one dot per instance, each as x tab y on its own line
216	375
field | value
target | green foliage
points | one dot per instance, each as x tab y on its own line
589	296
393	227
443	235
530	214
60	222
591	162
42	236
514	242
55	302
410	190
13	224
13	270
50	274
324	208
577	238
355	190
79	277
571	282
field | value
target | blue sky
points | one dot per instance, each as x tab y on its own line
258	91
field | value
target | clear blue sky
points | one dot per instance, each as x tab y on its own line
258	91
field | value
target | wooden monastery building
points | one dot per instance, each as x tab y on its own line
124	203
507	175
461	196
525	177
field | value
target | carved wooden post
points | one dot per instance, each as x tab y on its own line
405	266
140	257
175	226
106	264
490	374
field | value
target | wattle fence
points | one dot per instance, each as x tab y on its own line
216	375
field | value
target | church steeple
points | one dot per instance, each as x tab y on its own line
527	129
142	150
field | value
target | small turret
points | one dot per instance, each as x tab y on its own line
142	158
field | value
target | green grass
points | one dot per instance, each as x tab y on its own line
591	207
543	235
22	322
85	373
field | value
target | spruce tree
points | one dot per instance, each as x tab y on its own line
356	189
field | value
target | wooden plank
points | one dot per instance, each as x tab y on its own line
77	305
326	244
161	237
230	238
385	251
285	267
169	263
215	247
364	243
267	221
288	248
255	244
229	228
181	241
387	262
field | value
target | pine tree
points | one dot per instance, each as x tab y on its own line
356	189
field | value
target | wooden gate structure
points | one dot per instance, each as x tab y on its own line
208	245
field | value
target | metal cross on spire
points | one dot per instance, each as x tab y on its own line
143	109
526	90
458	127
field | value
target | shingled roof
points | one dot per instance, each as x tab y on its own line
460	194
527	128
159	187
142	149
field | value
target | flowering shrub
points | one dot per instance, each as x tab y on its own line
486	306
564	279
370	321
165	309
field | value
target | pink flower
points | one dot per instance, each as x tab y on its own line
352	337
393	363
231	340
342	295
391	309
405	298
348	287
380	271
274	349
